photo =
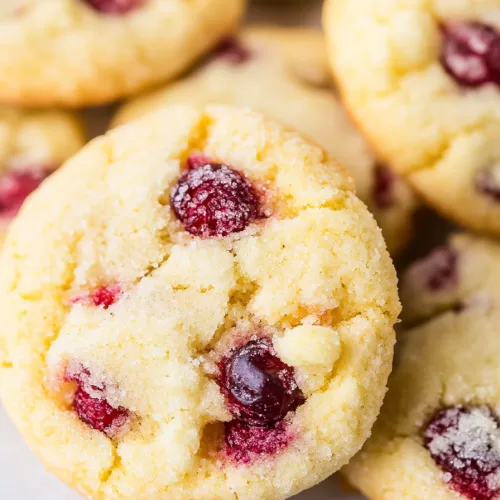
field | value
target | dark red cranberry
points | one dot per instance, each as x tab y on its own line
214	200
16	186
92	407
465	444
244	443
383	191
488	184
260	388
471	53
232	50
115	6
438	269
104	296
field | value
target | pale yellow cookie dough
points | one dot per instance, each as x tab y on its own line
438	133
148	346
284	73
451	361
32	144
66	52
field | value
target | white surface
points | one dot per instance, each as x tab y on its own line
22	476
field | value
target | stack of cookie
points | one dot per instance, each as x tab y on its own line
198	305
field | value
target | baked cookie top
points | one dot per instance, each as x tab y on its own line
438	435
209	312
284	73
421	79
102	50
32	145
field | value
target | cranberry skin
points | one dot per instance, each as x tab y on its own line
439	270
214	200
468	453
115	6
244	444
260	388
471	53
16	186
232	50
104	296
383	191
93	409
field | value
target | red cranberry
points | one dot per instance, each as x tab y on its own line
438	269
92	407
260	388
115	6
471	53
244	443
232	50
487	183
16	185
383	191
214	200
104	296
465	443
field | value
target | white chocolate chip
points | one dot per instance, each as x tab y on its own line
308	345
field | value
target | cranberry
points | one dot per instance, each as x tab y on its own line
232	50
104	296
16	185
260	388
383	191
438	269
471	53
488	184
465	443
115	6
92	407
214	200
246	443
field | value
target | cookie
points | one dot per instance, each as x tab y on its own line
422	82
209	313
284	73
453	276
438	435
32	145
102	50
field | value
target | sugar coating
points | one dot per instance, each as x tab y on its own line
36	143
99	57
469	282
284	73
318	259
450	360
440	135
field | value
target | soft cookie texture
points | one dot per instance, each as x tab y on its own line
201	308
101	50
438	435
422	80
284	73
32	145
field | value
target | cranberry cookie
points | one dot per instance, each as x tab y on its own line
84	52
438	436
422	80
284	73
32	145
209	313
453	276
